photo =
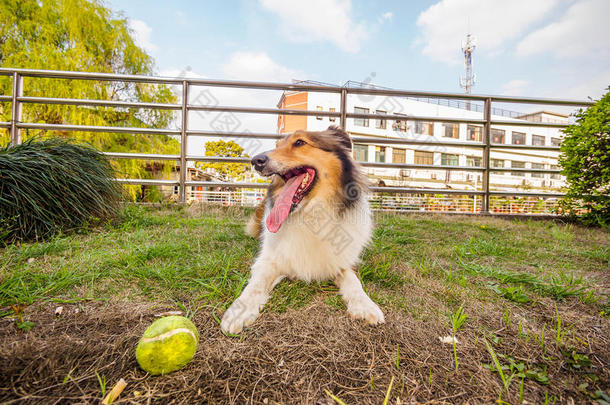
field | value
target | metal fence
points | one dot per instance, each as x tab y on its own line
17	99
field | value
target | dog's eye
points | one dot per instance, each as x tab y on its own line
299	142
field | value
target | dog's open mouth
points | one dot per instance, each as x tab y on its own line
298	183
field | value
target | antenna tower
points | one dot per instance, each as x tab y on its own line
470	78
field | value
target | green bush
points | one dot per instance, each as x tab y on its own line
51	186
585	161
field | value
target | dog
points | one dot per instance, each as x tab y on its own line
312	225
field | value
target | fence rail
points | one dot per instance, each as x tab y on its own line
17	100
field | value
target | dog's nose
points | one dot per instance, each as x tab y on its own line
260	161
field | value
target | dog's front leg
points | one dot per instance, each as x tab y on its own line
244	310
359	305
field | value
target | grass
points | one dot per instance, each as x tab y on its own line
170	254
458	318
53	185
102	382
498	367
153	259
524	278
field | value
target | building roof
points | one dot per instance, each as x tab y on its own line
546	112
461	104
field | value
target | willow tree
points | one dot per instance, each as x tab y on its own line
83	35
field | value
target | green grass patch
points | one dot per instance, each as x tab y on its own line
176	253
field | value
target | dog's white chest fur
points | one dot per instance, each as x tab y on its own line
312	244
315	243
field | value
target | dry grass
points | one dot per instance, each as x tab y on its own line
287	358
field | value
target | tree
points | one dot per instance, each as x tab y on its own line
83	35
225	149
585	161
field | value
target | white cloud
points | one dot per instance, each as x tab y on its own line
318	20
516	87
387	16
445	24
257	66
213	120
580	88
582	31
142	34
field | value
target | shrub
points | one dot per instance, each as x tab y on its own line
585	161
51	186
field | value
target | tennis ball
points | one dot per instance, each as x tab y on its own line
167	345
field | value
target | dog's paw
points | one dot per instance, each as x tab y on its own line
366	309
238	316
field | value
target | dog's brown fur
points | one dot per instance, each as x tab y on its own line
329	152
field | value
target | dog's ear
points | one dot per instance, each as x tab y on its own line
342	135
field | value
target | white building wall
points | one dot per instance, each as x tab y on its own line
432	178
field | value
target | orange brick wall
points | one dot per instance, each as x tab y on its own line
291	123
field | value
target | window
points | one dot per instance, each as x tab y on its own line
518	138
473	161
424	128
319	108
361	122
496	163
361	152
424	158
380	154
497	135
474	133
380	124
448	159
451	130
555	141
398	155
332	119
555	176
538	140
538	166
517	165
400	125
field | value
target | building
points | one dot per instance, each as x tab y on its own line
436	155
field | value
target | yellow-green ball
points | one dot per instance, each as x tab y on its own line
167	345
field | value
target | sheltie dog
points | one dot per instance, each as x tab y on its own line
313	224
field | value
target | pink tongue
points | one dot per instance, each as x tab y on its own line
283	203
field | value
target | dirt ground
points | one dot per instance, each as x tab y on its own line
286	358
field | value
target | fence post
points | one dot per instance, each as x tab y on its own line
16	108
486	154
343	107
183	141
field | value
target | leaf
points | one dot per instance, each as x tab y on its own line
515	294
599	394
537	375
25	326
576	360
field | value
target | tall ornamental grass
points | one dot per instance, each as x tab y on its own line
51	186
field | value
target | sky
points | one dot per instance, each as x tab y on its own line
544	48
537	48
